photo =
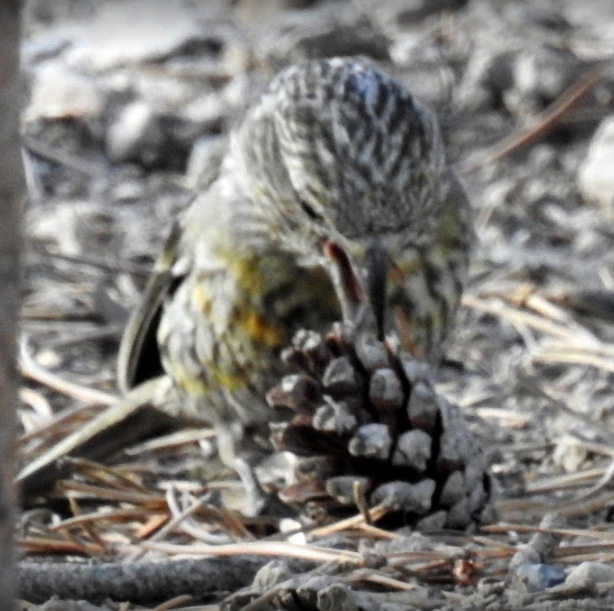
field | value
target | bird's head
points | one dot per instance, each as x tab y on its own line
345	166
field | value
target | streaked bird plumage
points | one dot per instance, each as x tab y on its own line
334	152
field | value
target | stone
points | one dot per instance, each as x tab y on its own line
594	572
596	177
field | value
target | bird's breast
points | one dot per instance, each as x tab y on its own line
222	332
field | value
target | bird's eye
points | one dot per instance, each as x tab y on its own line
309	210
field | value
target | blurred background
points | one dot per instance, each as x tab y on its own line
129	107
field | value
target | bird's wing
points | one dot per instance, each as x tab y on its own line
139	356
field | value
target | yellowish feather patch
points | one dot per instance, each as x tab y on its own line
259	330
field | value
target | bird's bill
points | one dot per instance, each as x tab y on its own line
360	283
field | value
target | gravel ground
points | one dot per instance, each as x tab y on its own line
129	107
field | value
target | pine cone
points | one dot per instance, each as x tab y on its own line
365	422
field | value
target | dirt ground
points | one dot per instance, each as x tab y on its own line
129	107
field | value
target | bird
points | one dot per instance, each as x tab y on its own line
335	200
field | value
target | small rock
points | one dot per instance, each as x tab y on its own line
58	93
128	190
135	135
596	178
595	572
540	78
569	455
487	77
544	543
524	555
